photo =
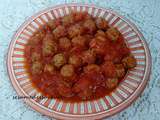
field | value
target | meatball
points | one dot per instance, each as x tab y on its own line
90	26
48	37
91	68
49	68
120	70
75	30
68	20
79	41
99	45
64	43
36	67
111	83
51	24
112	34
49	48
35	56
67	71
100	33
59	31
88	57
129	61
102	23
109	69
88	38
75	60
37	38
59	60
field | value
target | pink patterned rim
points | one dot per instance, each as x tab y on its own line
131	87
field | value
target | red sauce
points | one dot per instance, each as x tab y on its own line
79	63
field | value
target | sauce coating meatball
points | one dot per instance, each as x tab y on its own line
102	23
120	70
67	70
64	43
49	46
75	30
75	60
35	56
37	38
79	41
129	61
68	20
59	31
88	57
113	34
52	24
111	83
37	67
99	45
59	60
92	68
90	26
49	68
109	69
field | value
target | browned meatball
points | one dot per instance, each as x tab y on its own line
67	71
68	20
89	25
59	31
100	33
37	38
112	34
99	45
64	43
48	37
111	83
91	68
109	69
102	23
49	68
75	60
49	48
79	41
59	60
88	57
35	56
37	67
120	70
51	24
88	38
129	61
75	30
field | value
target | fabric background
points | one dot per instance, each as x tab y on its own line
144	13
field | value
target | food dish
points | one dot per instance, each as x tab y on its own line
125	93
77	57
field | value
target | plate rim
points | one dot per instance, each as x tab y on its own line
102	114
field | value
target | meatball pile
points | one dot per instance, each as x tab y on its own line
77	57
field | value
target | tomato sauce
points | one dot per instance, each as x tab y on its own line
77	58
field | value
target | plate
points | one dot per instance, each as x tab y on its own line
126	93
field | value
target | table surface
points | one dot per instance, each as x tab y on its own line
144	13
